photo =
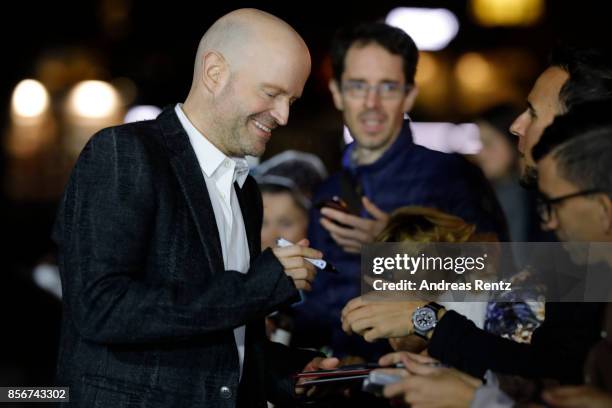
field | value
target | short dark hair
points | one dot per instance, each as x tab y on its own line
590	74
392	39
581	143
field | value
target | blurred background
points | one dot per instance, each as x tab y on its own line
71	68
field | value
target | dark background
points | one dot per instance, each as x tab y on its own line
153	43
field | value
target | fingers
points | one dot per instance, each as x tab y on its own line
374	211
303	285
418	368
473	381
297	251
354	231
380	331
329	363
317	363
398	388
394	358
349	245
420	358
346	219
343	232
303	276
361	325
295	266
391	358
569	396
352	304
566	391
353	320
303	242
306	273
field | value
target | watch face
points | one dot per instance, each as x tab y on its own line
424	319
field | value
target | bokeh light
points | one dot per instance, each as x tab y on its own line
30	99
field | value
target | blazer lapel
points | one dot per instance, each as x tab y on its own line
189	175
250	220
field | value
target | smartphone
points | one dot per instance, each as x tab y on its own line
338	204
344	371
335	203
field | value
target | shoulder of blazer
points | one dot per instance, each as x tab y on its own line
131	137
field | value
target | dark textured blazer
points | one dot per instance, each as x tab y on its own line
149	309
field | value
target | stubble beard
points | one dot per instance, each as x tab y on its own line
529	178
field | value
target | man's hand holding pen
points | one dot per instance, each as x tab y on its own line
293	259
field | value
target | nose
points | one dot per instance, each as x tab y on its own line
518	129
280	113
372	98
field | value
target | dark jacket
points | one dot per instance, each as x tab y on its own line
149	309
406	174
558	348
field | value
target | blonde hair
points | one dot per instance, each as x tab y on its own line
423	224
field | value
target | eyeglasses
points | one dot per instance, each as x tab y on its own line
545	205
386	90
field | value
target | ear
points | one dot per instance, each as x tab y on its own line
214	71
334	88
606	214
410	98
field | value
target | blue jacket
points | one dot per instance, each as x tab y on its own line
406	174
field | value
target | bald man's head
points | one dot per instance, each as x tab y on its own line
250	66
233	34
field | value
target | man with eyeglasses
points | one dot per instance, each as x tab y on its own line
575	76
574	163
373	85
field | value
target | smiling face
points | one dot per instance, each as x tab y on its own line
543	105
373	121
257	99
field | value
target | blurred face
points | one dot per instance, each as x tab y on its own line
282	218
374	118
580	218
257	98
542	106
497	157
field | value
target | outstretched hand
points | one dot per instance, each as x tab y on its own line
357	231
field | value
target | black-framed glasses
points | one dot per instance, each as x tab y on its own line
546	205
386	90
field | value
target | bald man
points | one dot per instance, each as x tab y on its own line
165	288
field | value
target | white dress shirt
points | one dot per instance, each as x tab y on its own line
220	172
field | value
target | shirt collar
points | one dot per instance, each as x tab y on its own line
209	156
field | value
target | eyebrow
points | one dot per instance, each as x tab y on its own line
531	109
384	81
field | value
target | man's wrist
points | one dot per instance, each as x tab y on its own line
439	310
439	316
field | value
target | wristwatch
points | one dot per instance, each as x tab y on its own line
425	318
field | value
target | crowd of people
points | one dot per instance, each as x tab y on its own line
174	284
